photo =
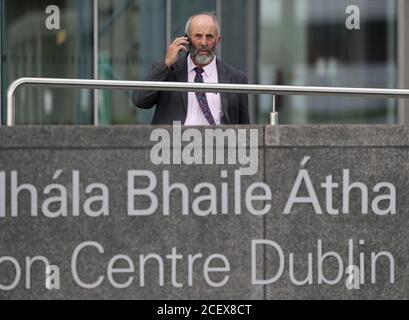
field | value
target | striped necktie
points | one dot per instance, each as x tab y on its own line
201	98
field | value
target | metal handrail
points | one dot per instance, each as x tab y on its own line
194	87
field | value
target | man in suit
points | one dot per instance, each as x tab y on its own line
198	63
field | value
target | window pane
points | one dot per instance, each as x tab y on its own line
2	62
183	9
131	39
234	41
306	42
240	41
32	50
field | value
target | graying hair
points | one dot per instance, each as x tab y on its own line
210	14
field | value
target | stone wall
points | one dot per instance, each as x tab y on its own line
343	230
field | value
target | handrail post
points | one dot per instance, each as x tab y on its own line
11	101
274	113
11	119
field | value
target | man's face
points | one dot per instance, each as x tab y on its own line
205	38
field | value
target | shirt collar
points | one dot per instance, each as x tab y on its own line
208	70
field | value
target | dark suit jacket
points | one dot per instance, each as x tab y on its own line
172	106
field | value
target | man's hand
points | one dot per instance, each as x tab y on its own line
172	55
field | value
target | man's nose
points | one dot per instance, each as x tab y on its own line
203	42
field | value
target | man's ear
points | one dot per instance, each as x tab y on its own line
218	40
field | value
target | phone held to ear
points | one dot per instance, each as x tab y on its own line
190	42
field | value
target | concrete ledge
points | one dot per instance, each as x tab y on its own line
94	137
139	136
337	135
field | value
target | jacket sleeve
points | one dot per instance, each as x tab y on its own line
244	117
148	99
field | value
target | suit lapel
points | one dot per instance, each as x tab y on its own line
181	76
224	77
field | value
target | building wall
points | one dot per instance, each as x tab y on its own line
317	192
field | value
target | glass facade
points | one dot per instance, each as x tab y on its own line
306	42
131	37
181	10
291	42
29	49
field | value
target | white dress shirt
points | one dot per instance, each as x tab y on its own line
195	115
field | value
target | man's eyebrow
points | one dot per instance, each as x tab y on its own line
200	34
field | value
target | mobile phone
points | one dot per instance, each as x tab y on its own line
190	42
